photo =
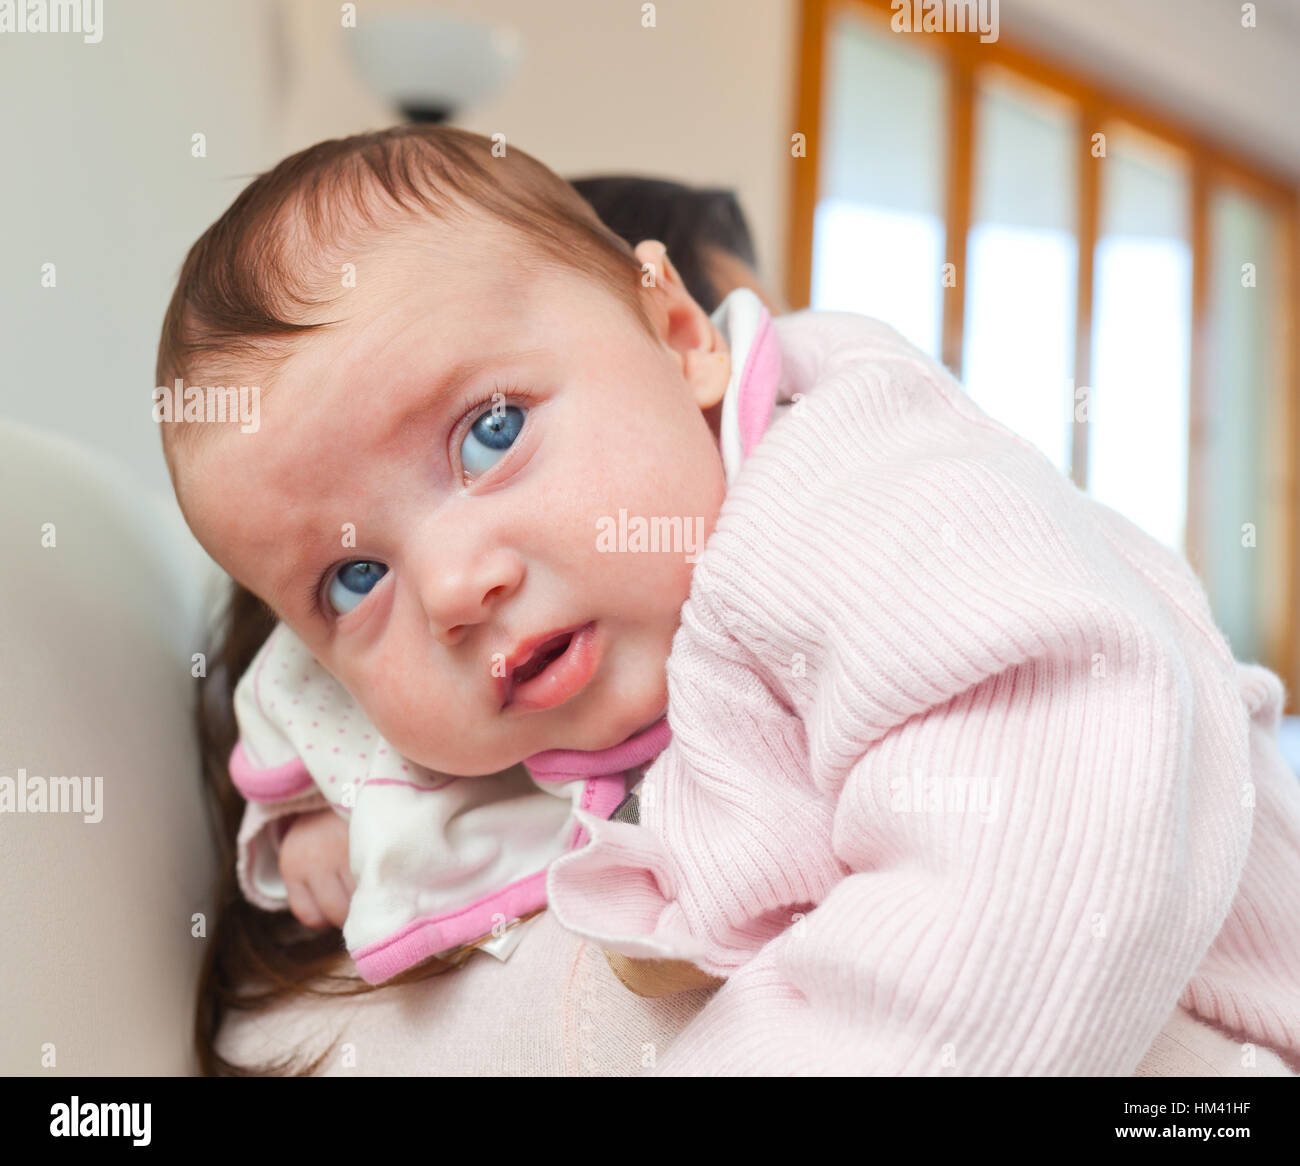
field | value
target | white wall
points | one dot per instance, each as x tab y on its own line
99	180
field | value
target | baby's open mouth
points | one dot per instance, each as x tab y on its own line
553	648
557	668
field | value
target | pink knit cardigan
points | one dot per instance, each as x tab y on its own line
963	778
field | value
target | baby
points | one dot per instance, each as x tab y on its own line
960	776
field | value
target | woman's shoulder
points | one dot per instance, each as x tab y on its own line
554	1008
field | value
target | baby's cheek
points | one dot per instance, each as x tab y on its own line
422	720
385	704
406	705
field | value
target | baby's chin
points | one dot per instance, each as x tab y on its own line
634	715
600	734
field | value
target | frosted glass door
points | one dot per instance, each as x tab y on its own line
1022	265
1137	411
878	229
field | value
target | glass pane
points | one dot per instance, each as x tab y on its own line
1022	266
1244	491
878	229
1142	289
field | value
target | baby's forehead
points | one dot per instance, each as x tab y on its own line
475	251
461	295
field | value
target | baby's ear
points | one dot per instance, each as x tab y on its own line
686	328
652	253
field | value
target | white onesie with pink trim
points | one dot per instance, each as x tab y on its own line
440	862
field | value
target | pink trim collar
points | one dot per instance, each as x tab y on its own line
750	397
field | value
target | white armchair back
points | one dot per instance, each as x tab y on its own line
103	599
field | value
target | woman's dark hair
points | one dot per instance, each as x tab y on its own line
687	220
256	959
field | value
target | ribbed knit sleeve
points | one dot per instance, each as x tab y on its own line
955	786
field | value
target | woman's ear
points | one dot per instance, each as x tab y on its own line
684	327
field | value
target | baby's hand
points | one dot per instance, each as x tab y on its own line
315	869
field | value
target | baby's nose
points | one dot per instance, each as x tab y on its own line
459	596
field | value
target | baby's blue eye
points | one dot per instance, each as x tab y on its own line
489	437
352	583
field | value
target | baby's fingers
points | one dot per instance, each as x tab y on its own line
302	902
331	896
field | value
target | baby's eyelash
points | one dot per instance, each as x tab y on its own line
313	593
474	411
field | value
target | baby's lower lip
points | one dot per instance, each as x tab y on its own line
563	678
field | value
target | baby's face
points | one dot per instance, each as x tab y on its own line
423	501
